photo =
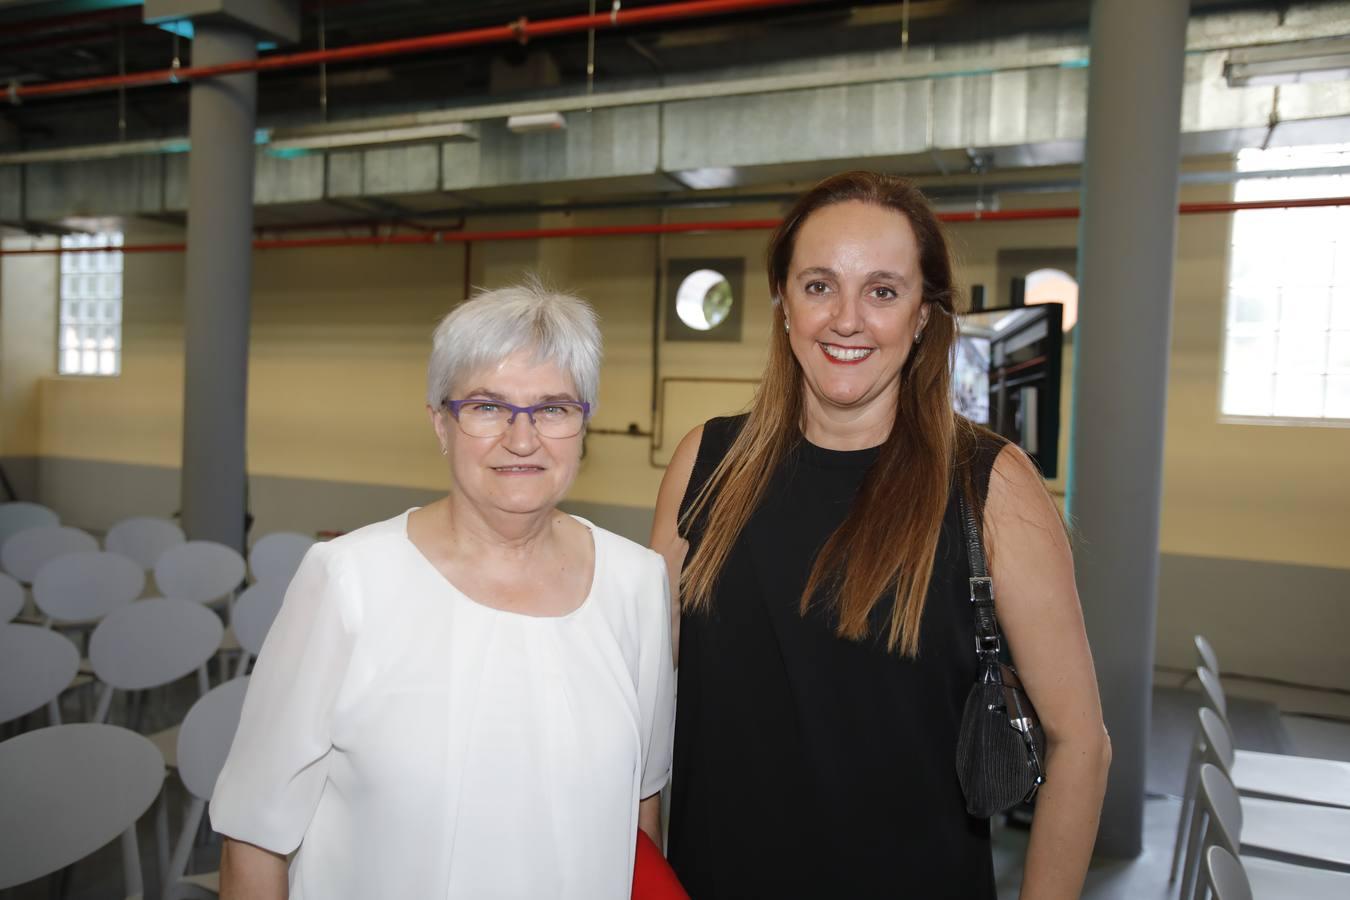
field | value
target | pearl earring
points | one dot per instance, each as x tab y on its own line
786	327
918	335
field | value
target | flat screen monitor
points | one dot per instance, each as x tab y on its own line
1006	376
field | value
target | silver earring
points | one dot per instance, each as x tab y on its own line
786	327
918	335
444	450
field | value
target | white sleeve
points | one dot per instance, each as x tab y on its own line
656	678
271	783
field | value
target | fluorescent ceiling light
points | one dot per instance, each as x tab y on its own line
1292	63
308	139
547	121
707	179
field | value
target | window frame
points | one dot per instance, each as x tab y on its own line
102	267
1270	162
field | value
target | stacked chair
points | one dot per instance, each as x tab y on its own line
11	598
203	743
144	539
69	790
1283	821
16	517
36	666
135	643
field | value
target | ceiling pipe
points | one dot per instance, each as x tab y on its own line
521	31
535	234
122	15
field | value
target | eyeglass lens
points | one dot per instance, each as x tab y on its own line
490	419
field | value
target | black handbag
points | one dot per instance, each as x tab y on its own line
1001	747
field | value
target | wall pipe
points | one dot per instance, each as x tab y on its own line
521	31
534	234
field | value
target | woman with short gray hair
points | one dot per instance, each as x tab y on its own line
474	698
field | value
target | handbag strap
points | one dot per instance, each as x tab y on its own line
988	642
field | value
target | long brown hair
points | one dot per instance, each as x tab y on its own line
889	539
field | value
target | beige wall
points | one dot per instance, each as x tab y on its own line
28	310
339	345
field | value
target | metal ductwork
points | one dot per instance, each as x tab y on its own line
1008	103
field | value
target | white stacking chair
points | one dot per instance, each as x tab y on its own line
29	550
11	598
36	665
151	643
1224	877
68	791
203	744
1302	779
1219	820
253	614
81	588
276	556
144	539
19	516
201	571
1294	832
1205	657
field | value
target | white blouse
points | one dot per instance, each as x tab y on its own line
412	742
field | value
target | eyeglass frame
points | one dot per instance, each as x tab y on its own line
454	406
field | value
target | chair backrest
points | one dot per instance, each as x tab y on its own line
153	642
200	571
276	556
1219	799
26	552
1226	878
143	539
36	665
1211	692
1218	740
86	586
81	786
11	598
1205	655
254	611
206	735
19	516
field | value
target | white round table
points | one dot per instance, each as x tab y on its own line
68	791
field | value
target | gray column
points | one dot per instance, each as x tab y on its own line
1126	247
219	272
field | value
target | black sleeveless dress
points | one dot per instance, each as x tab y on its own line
807	765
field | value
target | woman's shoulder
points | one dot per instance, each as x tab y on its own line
367	544
619	554
721	431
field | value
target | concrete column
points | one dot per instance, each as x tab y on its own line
219	272
1126	247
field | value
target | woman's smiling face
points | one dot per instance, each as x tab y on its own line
853	298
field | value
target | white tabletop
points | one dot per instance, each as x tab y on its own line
68	791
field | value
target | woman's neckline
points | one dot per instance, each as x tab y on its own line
496	610
825	458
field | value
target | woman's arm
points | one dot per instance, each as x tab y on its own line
1038	609
649	818
666	538
251	873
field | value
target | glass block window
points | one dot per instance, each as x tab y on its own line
1287	327
90	341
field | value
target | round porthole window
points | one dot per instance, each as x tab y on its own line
704	299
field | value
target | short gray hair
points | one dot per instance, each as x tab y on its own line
556	327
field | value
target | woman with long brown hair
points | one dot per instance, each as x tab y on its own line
826	641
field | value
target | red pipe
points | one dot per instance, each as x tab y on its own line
532	234
521	30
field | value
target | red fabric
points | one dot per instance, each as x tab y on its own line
653	878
